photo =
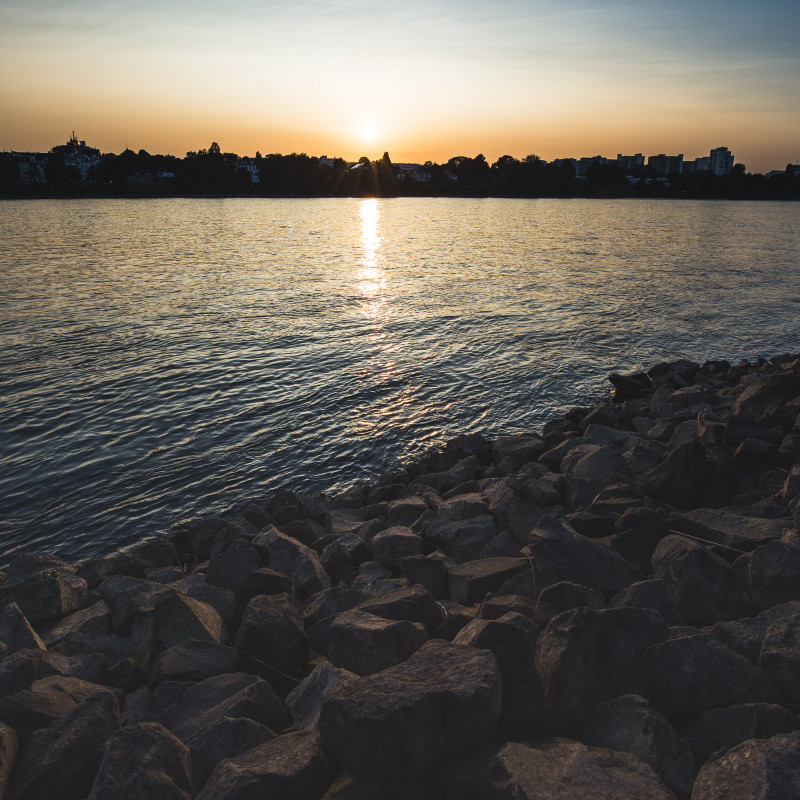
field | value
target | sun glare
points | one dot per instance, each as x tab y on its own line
368	132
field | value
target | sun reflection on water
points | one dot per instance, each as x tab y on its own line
371	276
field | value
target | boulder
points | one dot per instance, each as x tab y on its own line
677	478
512	641
428	571
774	572
343	555
394	725
174	619
125	597
563	596
463	540
134	560
223	738
393	544
223	601
291	766
630	724
305	700
194	661
321	609
721	729
729	527
20	670
230	568
496	607
649	594
63	759
45	594
746	636
144	760
780	655
585	657
464	506
294	559
9	748
16	631
48	700
703	586
692	674
406	511
265	581
548	768
413	603
456	617
758	769
364	643
771	390
469	582
90	620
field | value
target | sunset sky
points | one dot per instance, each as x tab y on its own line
423	80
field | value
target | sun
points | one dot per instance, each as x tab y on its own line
368	131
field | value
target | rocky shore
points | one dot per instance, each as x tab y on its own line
609	608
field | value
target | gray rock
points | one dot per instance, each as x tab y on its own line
428	571
272	634
305	700
321	609
49	699
702	585
294	559
456	617
291	766
563	596
91	620
774	572
462	540
721	729
64	758
174	619
9	748
758	769
194	661
770	390
46	594
692	674
223	738
389	546
630	724
394	725
585	657
413	603
20	670
231	567
144	760
464	506
496	607
503	545
780	655
729	527
112	646
677	478
126	597
365	644
522	713
223	601
469	582
265	581
343	555
406	511
16	631
150	554
649	594
549	768
746	636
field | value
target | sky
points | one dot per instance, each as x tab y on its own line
421	79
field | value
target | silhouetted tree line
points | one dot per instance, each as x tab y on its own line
213	172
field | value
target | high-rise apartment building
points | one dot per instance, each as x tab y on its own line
721	161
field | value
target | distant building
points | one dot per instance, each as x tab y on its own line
666	165
702	164
31	166
326	162
77	154
630	162
583	165
721	161
412	172
250	166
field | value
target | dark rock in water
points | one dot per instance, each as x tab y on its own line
413	603
630	724
126	597
560	554
693	674
63	759
144	761
746	636
364	643
585	657
723	728
463	540
272	634
16	631
235	695
469	582
774	573
9	748
522	713
222	739
174	619
231	567
393	544
46	594
292	766
322	608
48	699
548	768
758	769
780	655
677	478
702	585
394	725
629	387
649	594
563	596
194	661
294	559
305	700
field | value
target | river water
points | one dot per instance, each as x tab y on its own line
161	359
